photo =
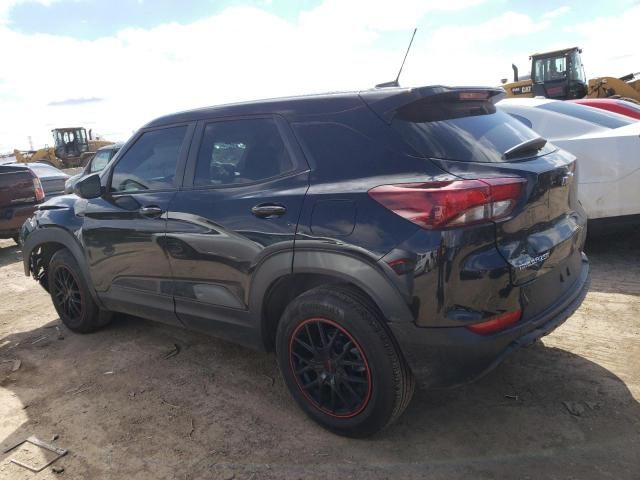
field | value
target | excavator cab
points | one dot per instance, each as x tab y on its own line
70	142
559	74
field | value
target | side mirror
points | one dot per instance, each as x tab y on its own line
89	187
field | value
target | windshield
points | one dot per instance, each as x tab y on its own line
550	69
589	114
467	131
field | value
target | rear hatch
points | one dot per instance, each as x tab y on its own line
16	186
461	131
52	179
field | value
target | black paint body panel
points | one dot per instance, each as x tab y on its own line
209	263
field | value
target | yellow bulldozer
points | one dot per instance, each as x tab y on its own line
560	75
71	148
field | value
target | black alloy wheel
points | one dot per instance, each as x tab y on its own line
330	367
67	294
71	296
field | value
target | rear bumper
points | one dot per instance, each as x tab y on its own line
12	218
448	356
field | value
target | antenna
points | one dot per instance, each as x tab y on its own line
394	83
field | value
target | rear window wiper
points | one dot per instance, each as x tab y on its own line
532	145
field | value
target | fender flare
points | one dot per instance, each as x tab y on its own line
57	235
351	268
366	274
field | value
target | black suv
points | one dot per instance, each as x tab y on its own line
369	238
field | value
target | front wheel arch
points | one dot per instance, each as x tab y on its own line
40	245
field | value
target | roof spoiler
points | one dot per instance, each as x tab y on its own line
386	102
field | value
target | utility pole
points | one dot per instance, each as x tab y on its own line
30	143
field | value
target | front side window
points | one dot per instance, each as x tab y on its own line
151	163
241	151
100	161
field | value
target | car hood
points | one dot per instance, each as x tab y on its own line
61	201
74	178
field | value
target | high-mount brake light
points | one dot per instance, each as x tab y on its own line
458	202
473	95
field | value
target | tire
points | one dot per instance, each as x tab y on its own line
71	297
361	383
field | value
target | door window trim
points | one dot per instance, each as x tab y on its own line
180	165
293	149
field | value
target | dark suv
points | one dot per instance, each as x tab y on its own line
369	238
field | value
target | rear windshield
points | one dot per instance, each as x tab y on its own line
467	131
588	114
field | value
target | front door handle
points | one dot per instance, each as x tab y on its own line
151	211
269	210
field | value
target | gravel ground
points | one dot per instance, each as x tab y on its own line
565	408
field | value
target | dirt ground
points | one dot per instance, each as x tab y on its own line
566	408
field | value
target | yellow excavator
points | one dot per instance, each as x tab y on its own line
72	148
560	75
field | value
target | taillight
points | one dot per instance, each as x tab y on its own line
457	202
38	190
496	324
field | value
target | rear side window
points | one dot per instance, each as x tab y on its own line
241	151
337	151
588	114
151	163
466	131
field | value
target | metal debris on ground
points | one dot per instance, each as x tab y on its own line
80	389
593	405
512	397
60	452
574	408
16	364
173	352
170	404
38	340
75	388
57	470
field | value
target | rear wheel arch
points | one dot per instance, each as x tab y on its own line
343	271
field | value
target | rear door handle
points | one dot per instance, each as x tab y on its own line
151	211
268	210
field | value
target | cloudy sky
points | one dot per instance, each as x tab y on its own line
112	65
